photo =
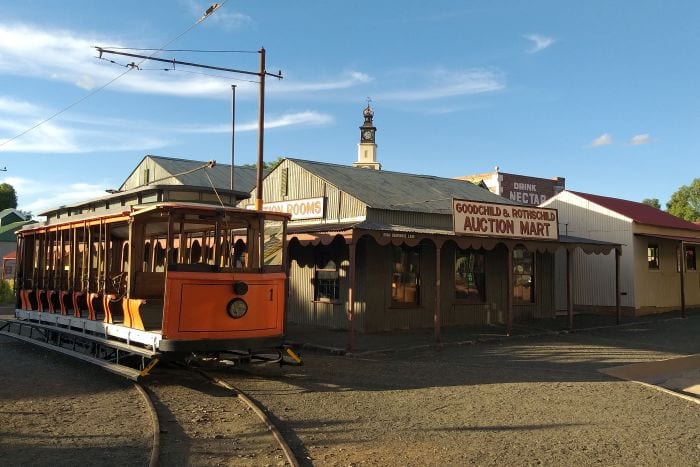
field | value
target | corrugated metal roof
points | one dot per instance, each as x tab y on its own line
244	177
381	189
639	212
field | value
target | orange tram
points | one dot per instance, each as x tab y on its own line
169	280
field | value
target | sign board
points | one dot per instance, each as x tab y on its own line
504	220
529	190
309	208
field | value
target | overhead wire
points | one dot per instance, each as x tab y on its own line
129	68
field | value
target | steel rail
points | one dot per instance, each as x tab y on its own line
155	447
286	449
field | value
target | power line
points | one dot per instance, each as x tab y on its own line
129	68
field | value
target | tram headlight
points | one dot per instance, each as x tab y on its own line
240	288
237	308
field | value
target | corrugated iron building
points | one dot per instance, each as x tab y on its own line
659	267
365	248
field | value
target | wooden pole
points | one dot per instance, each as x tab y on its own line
351	293
261	131
681	264
569	289
509	272
438	293
618	254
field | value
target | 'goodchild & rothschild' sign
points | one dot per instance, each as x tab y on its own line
504	220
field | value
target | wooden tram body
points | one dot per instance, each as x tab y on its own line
164	279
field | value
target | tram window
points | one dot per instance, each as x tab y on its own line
523	276
147	257
195	252
470	279
240	254
405	282
274	243
159	260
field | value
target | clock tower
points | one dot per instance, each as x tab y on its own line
367	148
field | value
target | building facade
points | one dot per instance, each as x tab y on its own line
659	255
519	188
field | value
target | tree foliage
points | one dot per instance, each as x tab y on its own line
685	202
8	196
653	202
269	165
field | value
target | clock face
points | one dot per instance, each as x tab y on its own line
367	134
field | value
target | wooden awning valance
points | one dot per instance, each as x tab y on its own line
385	234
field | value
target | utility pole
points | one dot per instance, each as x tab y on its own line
261	104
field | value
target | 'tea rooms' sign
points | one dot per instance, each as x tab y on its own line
504	220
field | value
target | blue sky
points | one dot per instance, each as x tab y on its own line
602	93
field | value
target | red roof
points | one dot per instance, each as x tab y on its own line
639	212
10	255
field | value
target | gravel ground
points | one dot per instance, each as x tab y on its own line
519	401
58	411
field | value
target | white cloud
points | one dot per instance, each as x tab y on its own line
68	57
602	140
638	140
45	196
73	135
539	42
443	83
307	118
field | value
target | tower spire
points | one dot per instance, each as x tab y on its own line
367	147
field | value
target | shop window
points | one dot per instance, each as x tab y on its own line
523	276
326	279
470	279
405	282
690	258
653	256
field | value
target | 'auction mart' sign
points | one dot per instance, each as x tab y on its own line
504	220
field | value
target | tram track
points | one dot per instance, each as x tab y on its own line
194	422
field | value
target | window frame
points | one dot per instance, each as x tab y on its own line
532	274
653	254
406	253
322	260
686	250
480	296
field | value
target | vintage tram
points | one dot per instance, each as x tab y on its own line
164	280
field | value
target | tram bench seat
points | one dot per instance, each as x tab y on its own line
143	314
149	285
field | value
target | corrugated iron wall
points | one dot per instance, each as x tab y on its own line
430	220
302	309
301	184
593	275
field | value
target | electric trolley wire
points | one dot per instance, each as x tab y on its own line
180	70
129	68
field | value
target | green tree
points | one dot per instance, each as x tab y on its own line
653	202
8	196
685	202
269	165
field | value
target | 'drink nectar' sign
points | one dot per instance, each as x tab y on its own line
504	220
311	208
